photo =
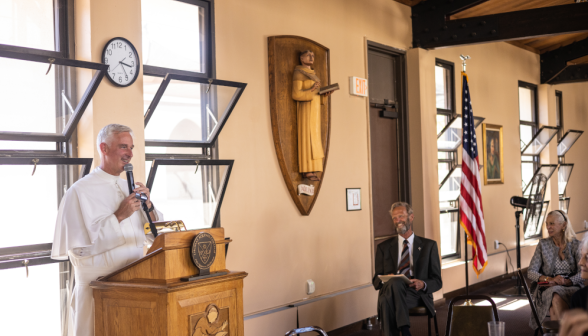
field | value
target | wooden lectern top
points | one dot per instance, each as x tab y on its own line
167	261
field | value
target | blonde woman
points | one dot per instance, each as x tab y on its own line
555	267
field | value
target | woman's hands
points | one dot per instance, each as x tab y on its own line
559	280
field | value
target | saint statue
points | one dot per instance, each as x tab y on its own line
209	324
305	91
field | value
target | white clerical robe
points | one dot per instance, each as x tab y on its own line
88	232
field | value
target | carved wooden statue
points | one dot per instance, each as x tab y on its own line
301	117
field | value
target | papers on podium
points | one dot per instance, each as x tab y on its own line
403	277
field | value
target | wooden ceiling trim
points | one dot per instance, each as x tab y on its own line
506	6
559	65
524	46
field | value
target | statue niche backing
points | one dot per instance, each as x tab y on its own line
300	116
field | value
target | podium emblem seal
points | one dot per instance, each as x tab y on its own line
203	252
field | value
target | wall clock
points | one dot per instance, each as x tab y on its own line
123	61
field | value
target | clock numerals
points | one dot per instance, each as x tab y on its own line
119	55
130	54
109	52
105	60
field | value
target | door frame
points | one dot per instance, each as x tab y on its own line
402	131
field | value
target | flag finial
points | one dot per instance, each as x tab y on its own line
463	61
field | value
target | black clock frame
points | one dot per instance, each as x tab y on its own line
138	61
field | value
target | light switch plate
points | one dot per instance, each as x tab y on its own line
310	286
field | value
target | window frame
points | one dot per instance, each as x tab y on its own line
534	124
210	152
452	159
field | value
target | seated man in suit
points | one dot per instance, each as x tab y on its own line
413	256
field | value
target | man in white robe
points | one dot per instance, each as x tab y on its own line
99	225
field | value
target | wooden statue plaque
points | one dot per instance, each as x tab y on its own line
294	141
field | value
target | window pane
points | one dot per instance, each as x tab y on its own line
27	145
528	169
42	189
34	299
27	23
449	232
172	150
526	135
450	189
31	100
442	121
186	111
526	104
443	168
183	193
557	110
173	35
442	88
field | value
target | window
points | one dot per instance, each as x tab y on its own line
41	107
528	128
186	107
448	140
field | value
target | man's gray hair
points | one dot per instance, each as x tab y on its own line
402	204
584	244
107	131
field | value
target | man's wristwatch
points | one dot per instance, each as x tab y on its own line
152	207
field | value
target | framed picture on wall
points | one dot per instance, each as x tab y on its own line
353	199
493	158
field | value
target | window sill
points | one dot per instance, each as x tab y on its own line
452	263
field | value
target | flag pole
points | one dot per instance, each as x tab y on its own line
467	302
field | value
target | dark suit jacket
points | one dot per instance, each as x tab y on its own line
426	265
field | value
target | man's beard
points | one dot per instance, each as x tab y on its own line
402	230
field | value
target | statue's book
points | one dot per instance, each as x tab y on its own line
329	88
403	277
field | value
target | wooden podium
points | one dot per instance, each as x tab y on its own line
147	297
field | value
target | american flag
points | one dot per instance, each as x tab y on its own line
471	213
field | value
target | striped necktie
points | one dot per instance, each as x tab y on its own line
404	266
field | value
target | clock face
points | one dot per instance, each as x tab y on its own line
122	60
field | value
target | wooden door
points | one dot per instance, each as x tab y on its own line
388	137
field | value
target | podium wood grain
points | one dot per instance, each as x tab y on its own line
147	297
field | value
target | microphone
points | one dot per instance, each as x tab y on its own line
141	197
130	179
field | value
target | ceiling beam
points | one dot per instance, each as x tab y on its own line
431	27
560	65
572	74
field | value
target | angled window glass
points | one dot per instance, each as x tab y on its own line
189	191
567	141
538	142
534	222
526	135
173	34
47	185
563	176
449	190
451	136
27	23
564	204
443	170
34	101
187	109
546	170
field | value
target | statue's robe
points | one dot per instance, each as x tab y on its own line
310	147
88	232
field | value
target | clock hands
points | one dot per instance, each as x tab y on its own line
124	69
121	62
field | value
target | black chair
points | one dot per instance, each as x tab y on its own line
545	327
463	320
318	330
422	311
